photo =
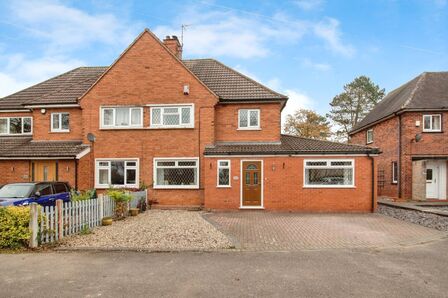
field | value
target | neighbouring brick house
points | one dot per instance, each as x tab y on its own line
197	132
410	126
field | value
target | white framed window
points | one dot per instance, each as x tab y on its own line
117	172
394	172
172	173
172	116
369	136
334	173
121	117
249	119
223	173
16	125
432	123
60	122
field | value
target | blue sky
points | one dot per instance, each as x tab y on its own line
307	49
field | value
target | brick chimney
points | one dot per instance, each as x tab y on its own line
173	44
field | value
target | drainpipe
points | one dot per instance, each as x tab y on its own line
373	181
399	156
76	173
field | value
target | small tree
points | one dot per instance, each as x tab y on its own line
352	105
307	124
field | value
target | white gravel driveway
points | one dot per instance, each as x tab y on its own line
156	230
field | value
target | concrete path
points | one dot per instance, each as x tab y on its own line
419	271
269	231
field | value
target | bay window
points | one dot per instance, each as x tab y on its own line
117	173
181	116
329	173
176	173
16	125
121	117
223	175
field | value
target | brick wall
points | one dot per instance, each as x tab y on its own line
283	187
42	125
226	123
14	171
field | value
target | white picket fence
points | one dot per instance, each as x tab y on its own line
52	223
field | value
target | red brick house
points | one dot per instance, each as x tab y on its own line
410	127
197	132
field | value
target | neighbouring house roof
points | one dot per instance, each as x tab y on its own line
289	145
68	87
24	147
428	91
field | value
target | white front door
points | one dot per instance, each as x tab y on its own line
436	179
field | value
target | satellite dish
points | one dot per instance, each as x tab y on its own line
91	137
418	137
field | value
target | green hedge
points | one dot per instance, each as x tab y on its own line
14	227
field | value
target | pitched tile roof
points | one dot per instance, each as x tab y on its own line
62	89
66	88
427	91
229	84
289	145
24	147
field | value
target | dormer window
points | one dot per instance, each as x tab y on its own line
369	136
249	119
16	125
432	123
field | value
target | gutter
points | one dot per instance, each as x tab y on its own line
292	153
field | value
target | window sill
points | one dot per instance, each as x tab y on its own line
329	186
175	187
432	131
257	128
252	207
223	186
115	186
60	131
368	143
122	128
173	127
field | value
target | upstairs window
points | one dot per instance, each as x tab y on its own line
16	125
172	116
329	173
432	123
121	117
223	173
60	122
248	119
369	136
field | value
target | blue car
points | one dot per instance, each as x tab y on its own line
42	193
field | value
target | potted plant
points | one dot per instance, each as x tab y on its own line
106	221
121	200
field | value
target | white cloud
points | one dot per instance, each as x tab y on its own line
309	4
274	83
316	66
65	28
246	72
328	30
297	100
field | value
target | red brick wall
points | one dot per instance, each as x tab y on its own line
42	125
148	74
386	137
227	123
283	187
14	171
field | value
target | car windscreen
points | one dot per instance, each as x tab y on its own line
16	191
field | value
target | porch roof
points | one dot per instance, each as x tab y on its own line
289	145
24	147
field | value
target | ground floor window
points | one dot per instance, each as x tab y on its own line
176	173
117	172
223	173
329	173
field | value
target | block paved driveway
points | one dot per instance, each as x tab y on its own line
271	231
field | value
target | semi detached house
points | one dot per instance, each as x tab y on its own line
197	132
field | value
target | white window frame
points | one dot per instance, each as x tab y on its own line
17	134
394	174
328	166
60	122
114	126
369	132
98	167
176	159
218	167
432	116
162	108
249	127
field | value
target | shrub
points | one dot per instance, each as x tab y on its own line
121	202
14	227
82	196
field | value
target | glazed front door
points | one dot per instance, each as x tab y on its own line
44	170
251	180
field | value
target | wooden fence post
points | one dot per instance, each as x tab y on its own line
60	223
34	226
101	207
